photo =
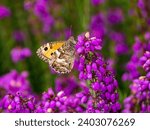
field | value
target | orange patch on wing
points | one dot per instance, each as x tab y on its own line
55	46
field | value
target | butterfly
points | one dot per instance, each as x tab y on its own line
60	55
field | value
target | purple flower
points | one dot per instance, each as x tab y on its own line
117	37
97	25
18	54
141	4
14	82
140	90
68	85
97	2
145	61
115	16
41	10
18	36
68	33
120	45
129	104
16	103
121	48
133	65
144	9
140	94
59	102
93	68
147	36
4	12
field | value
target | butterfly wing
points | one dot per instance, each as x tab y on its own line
66	55
60	55
46	51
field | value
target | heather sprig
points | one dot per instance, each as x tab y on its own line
138	48
14	82
52	102
93	68
139	100
16	103
41	10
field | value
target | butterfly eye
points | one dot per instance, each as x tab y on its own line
45	48
52	54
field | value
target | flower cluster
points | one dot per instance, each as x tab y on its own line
119	31
50	102
145	61
102	25
97	25
14	82
139	47
133	65
19	54
115	16
139	99
4	12
92	67
41	11
60	102
16	103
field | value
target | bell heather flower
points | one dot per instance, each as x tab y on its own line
133	65
115	16
16	103
4	12
59	102
19	54
92	67
14	82
138	101
145	61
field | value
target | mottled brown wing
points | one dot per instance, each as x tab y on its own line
60	55
65	57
